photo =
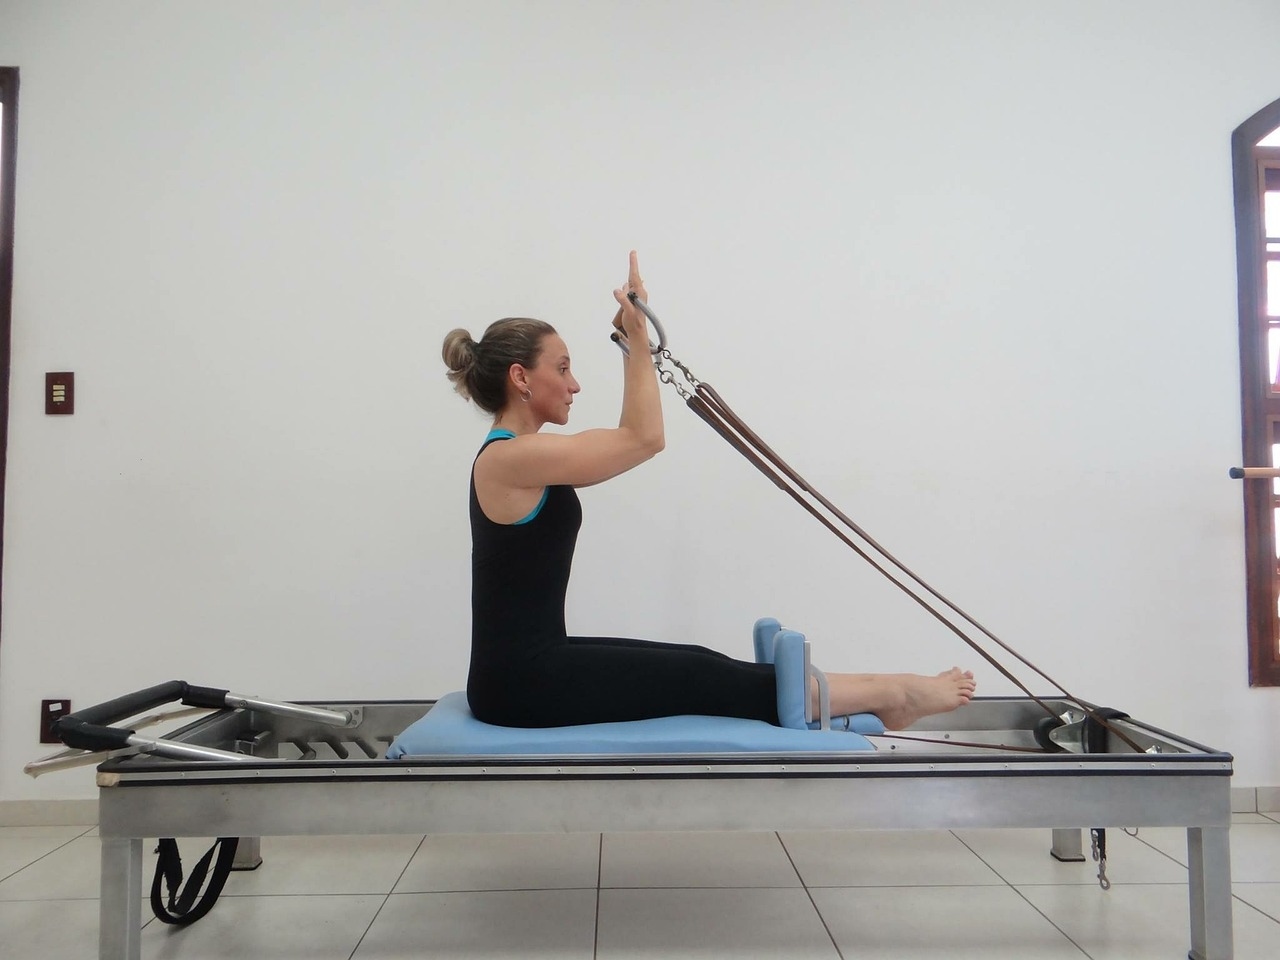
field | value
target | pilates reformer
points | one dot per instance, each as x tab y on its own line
254	768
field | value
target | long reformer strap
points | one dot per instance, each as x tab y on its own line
711	408
707	403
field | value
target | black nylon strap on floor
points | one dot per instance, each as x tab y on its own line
186	903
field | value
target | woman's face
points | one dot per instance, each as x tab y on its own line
551	381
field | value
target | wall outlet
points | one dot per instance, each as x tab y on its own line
60	393
51	710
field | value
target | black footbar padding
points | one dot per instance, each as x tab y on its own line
90	736
209	697
1094	735
90	728
121	708
1236	473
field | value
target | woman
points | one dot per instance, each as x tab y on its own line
525	670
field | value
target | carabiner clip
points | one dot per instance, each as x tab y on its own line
654	348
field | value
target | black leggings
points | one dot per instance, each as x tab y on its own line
603	679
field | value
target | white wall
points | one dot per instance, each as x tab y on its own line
968	266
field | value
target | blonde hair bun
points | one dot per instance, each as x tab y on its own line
459	355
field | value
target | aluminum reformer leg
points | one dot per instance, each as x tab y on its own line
1209	884
1068	846
248	854
120	900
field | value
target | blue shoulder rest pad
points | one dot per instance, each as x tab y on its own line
449	728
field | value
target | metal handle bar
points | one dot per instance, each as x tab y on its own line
177	750
91	728
70	757
654	348
173	749
1253	473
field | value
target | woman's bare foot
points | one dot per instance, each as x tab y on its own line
925	696
898	699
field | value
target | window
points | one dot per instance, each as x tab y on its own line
1256	157
8	148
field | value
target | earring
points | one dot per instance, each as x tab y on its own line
527	395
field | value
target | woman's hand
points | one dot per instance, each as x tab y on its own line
629	320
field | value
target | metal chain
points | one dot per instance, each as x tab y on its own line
666	376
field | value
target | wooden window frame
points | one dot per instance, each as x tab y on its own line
8	171
1259	396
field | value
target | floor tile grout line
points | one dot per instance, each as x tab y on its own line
399	893
1018	893
981	859
427	893
1064	933
1252	906
809	893
422	841
682	886
595	940
1151	846
902	887
387	897
42	856
1234	895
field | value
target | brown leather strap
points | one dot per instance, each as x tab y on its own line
711	408
954	743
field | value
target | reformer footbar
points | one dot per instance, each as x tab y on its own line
712	409
94	731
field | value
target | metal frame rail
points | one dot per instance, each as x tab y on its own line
1176	783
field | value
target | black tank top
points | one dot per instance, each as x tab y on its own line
519	576
526	672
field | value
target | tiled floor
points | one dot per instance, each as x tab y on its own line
873	896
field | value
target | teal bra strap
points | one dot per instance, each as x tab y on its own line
501	434
534	512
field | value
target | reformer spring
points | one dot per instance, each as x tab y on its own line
711	408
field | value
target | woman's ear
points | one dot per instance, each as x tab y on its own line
518	376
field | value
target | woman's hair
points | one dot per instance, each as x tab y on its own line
478	371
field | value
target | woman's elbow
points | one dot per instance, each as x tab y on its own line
647	443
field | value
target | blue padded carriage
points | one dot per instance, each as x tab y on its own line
450	729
